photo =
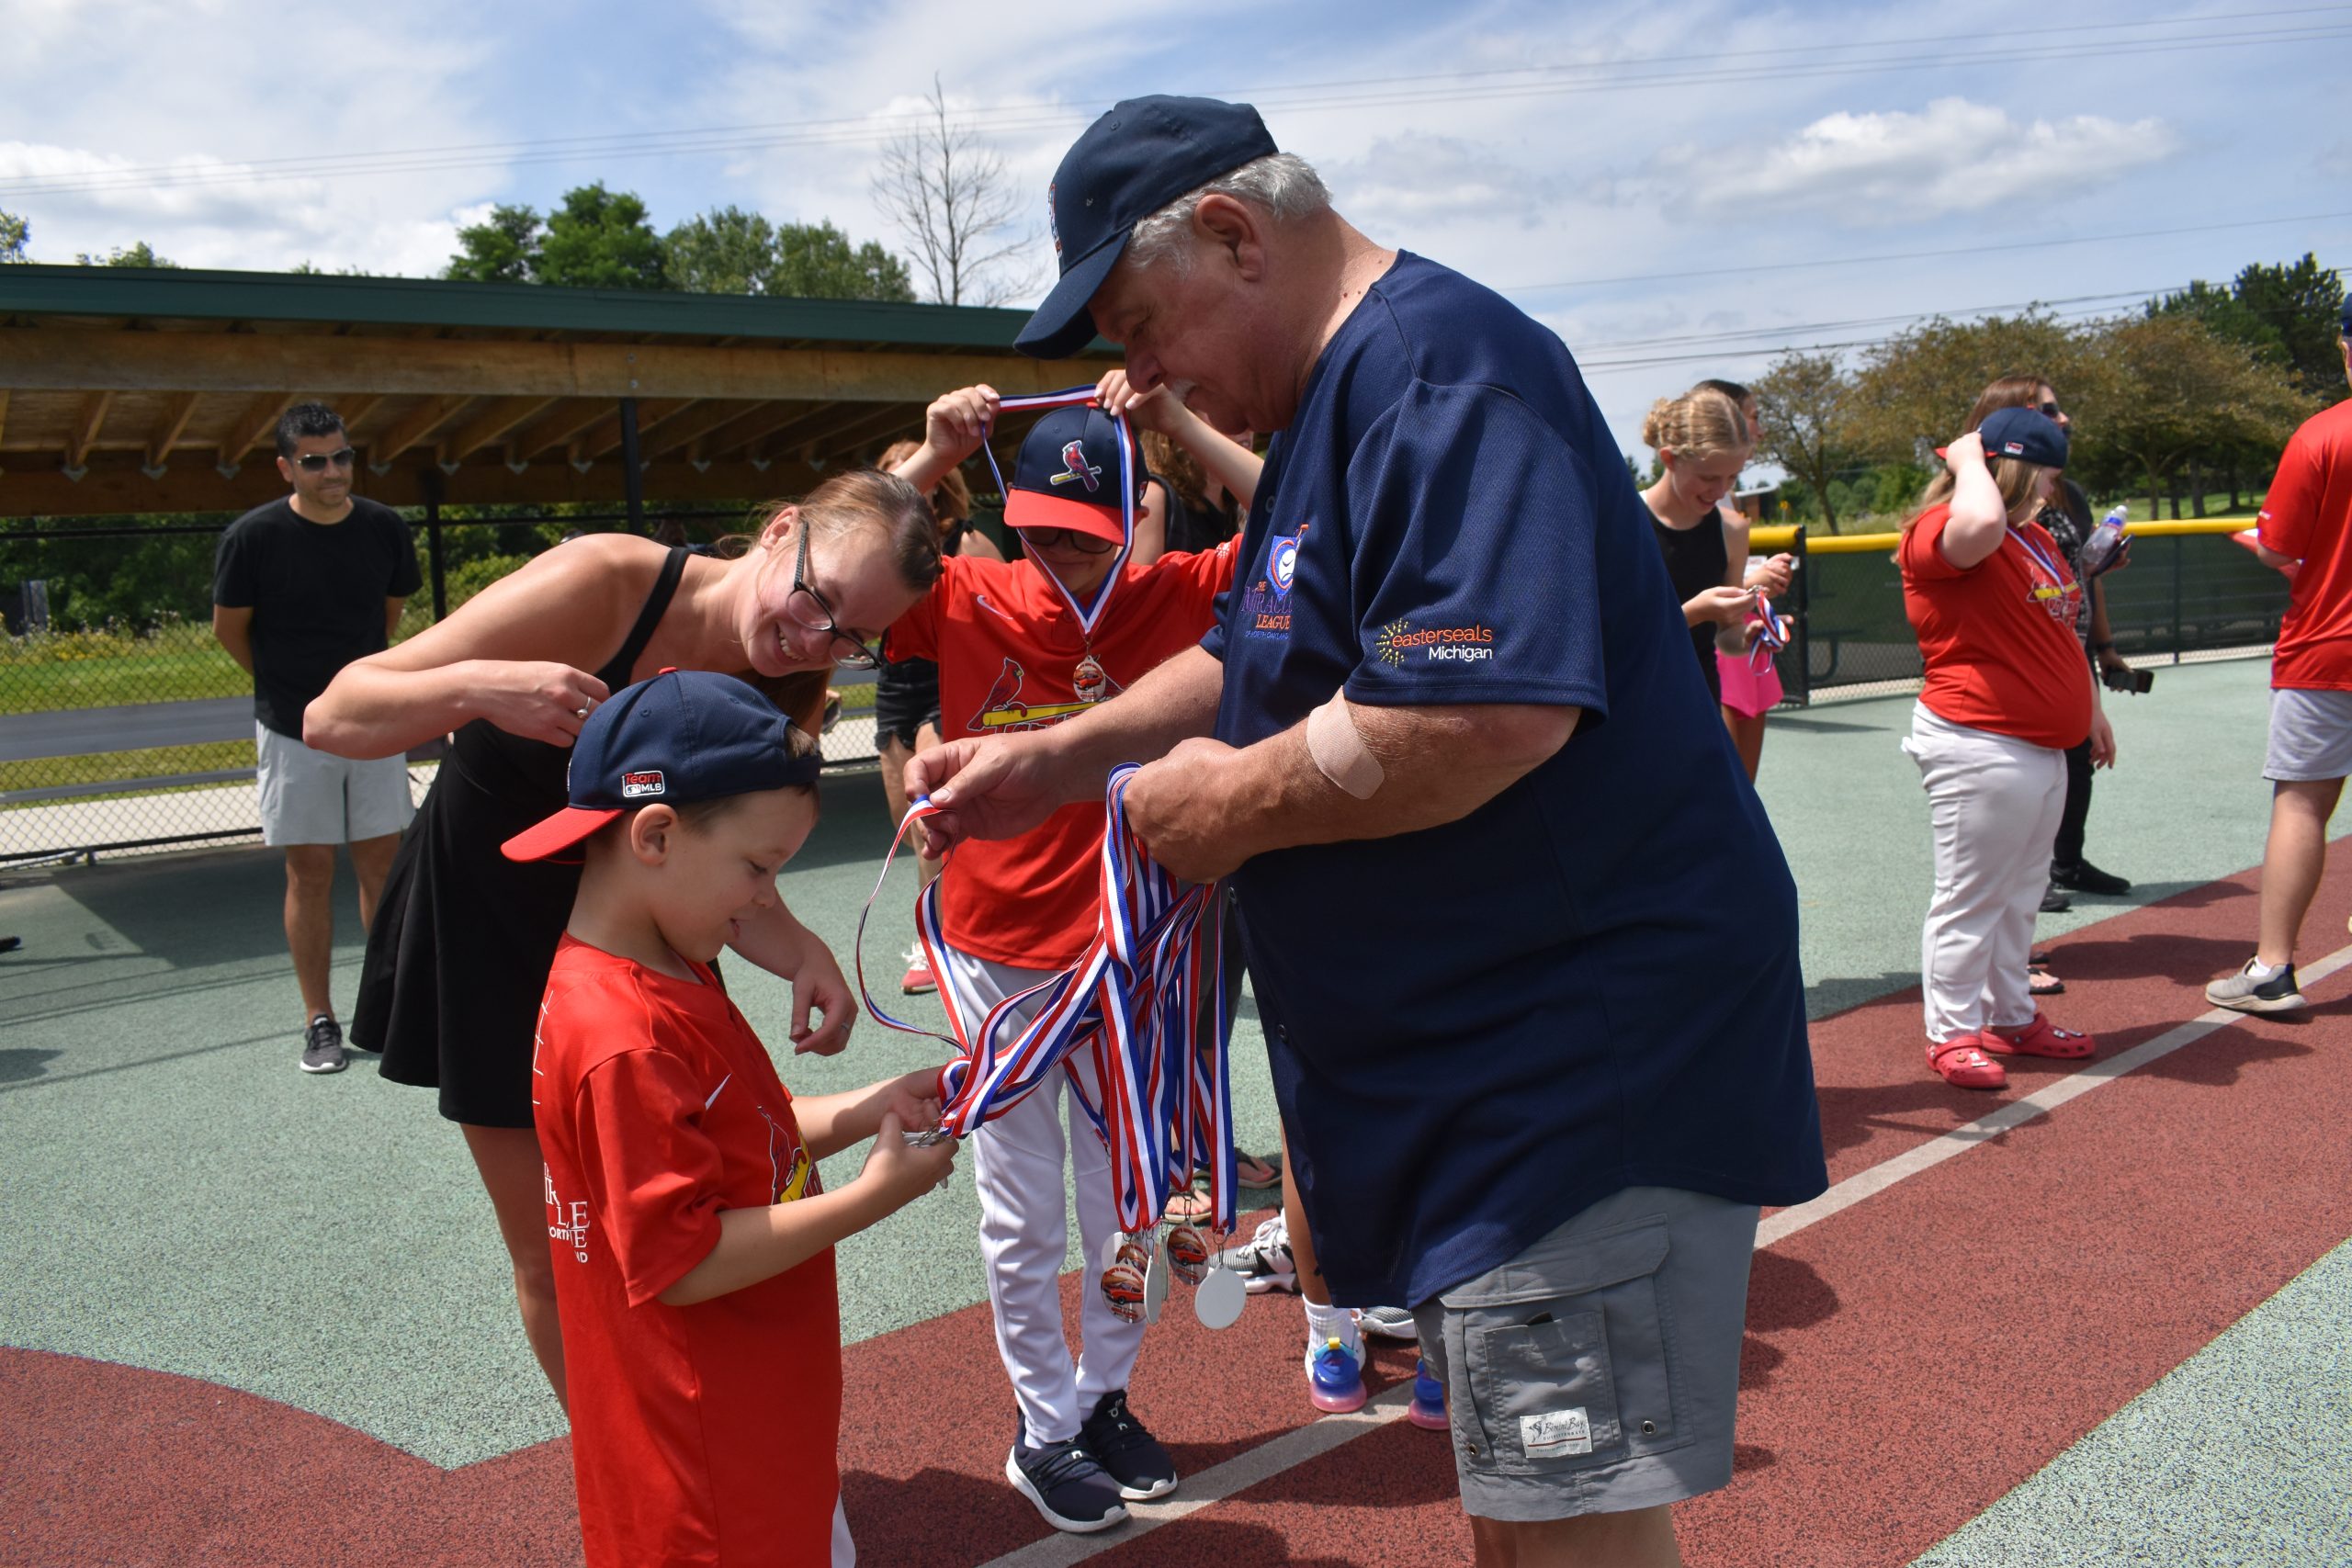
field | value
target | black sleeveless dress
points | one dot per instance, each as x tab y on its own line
1697	560
463	937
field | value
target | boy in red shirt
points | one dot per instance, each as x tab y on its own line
1023	645
693	1239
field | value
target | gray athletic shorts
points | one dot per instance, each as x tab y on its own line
316	797
1598	1372
2310	736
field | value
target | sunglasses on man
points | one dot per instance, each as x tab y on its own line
317	462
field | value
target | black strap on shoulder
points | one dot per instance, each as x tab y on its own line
616	675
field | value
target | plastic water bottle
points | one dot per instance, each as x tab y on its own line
2104	550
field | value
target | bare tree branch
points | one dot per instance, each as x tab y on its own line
950	191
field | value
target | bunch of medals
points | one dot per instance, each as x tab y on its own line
1161	1100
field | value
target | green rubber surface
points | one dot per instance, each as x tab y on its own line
179	1197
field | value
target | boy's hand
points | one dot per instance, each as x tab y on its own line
957	422
1156	410
820	985
901	1171
913	1099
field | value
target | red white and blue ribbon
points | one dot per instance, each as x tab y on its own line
1162	1101
1771	635
1092	612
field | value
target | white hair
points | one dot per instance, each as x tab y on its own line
1283	183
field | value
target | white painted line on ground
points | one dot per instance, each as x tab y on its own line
1297	1446
1960	1140
1217	1482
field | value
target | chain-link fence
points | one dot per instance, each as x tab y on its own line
2182	595
125	726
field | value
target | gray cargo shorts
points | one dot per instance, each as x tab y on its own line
1598	1372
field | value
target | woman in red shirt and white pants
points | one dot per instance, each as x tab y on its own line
2007	693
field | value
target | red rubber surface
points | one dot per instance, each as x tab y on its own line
1908	1361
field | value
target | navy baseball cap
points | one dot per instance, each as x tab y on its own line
1068	473
1131	163
683	736
2028	434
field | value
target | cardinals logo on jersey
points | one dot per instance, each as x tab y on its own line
1003	711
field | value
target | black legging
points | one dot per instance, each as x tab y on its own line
2067	848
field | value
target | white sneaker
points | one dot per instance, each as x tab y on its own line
1264	1261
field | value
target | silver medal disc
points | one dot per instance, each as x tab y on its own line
1218	1300
1155	1281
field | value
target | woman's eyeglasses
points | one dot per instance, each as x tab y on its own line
317	462
2050	411
807	608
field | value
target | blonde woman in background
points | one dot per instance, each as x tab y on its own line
1703	442
906	691
1772	575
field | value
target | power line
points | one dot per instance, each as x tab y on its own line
1917	256
1627	75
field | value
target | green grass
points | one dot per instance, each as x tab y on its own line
45	672
101	767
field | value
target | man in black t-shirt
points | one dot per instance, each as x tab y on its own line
300	588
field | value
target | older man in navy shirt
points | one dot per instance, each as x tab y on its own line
1524	944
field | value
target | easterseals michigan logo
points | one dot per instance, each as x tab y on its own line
1401	641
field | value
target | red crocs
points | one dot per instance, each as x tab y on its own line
2039	1038
1960	1061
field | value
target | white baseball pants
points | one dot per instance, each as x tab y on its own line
1994	803
1017	1161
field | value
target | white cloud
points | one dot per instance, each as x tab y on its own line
1900	167
1416	182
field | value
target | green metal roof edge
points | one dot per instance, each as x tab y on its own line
444	302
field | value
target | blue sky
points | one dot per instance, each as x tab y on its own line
1710	160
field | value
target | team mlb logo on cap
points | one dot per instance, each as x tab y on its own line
2026	435
682	737
1068	473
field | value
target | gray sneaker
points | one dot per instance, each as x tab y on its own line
2245	992
323	1046
1264	1261
1388	1322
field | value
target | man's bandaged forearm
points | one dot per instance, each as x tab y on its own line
1337	747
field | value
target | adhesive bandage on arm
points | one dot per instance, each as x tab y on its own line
1337	747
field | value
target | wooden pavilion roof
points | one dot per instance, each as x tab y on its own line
129	391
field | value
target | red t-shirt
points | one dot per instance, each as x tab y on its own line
1999	638
1009	658
2308	514
703	1434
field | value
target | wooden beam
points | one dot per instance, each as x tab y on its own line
808	433
167	434
604	438
252	425
488	425
564	422
79	359
412	427
877	425
766	419
682	427
4	412
85	429
113	484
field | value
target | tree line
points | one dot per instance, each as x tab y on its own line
2196	391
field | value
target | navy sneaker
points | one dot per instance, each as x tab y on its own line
1122	1447
1070	1489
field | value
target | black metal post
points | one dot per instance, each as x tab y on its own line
429	480
2179	551
632	466
1803	671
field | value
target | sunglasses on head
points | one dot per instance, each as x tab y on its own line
316	462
